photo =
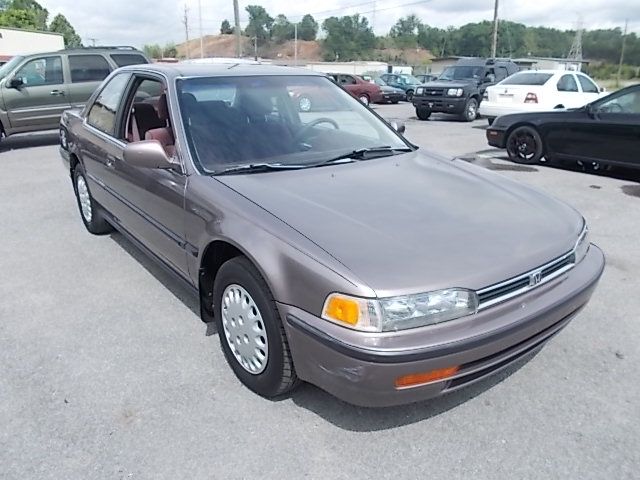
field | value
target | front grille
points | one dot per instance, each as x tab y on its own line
433	92
505	290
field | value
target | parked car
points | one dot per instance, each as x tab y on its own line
364	91
426	78
325	247
389	94
404	81
538	90
37	88
603	132
459	89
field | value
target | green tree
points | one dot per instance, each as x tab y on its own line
60	24
348	38
282	29
226	28
41	13
405	31
260	23
170	50
307	28
153	51
18	19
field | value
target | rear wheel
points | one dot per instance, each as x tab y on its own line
90	212
524	145
364	98
251	333
470	110
423	113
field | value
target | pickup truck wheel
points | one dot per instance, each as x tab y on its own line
251	334
90	211
364	98
524	145
423	113
470	110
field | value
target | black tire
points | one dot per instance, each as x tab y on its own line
409	95
279	375
470	110
524	145
490	120
364	98
423	113
95	222
395	101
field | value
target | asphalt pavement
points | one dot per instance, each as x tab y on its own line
106	371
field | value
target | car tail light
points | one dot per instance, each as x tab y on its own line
531	98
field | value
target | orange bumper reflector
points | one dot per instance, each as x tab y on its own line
415	379
344	310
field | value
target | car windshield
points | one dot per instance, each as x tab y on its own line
284	121
9	66
380	82
461	73
527	78
409	79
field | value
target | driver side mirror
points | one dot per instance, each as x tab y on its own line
16	82
490	78
398	126
591	110
149	154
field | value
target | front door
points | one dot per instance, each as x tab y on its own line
37	102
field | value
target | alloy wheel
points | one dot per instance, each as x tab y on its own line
85	198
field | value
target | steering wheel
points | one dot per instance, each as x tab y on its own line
305	130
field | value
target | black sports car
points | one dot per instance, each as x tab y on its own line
604	132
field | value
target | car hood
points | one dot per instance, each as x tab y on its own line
413	223
450	84
388	89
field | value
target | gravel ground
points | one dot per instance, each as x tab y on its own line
107	372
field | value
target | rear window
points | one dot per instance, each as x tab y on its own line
528	78
88	68
124	59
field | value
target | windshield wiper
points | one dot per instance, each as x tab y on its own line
364	154
257	168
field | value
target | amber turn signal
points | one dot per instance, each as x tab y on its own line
343	310
415	379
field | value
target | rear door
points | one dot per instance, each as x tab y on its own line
569	95
39	102
349	83
590	91
86	72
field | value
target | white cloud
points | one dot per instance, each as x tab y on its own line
137	22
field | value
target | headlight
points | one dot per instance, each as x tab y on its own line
400	313
455	92
419	91
582	245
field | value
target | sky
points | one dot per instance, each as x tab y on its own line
138	22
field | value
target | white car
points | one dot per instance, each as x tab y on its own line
538	90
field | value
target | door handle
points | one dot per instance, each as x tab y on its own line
111	160
56	93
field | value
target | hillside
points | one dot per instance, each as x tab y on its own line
310	51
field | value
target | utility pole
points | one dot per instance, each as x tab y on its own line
93	41
255	47
185	21
200	27
494	42
624	43
236	14
295	43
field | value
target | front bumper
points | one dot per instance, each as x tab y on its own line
392	97
496	138
362	368
453	105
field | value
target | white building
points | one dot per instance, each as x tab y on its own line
14	41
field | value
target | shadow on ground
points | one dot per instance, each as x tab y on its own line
29	140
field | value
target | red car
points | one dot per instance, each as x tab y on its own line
364	91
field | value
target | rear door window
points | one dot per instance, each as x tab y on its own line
567	83
124	59
103	113
88	68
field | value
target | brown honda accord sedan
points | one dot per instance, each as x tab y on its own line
325	247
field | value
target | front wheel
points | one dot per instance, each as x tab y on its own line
304	104
90	211
409	95
364	98
524	145
251	333
470	110
423	113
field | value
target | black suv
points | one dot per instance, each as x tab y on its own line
459	88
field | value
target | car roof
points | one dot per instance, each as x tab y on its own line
114	50
176	70
551	71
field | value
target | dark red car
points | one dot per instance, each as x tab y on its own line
364	91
